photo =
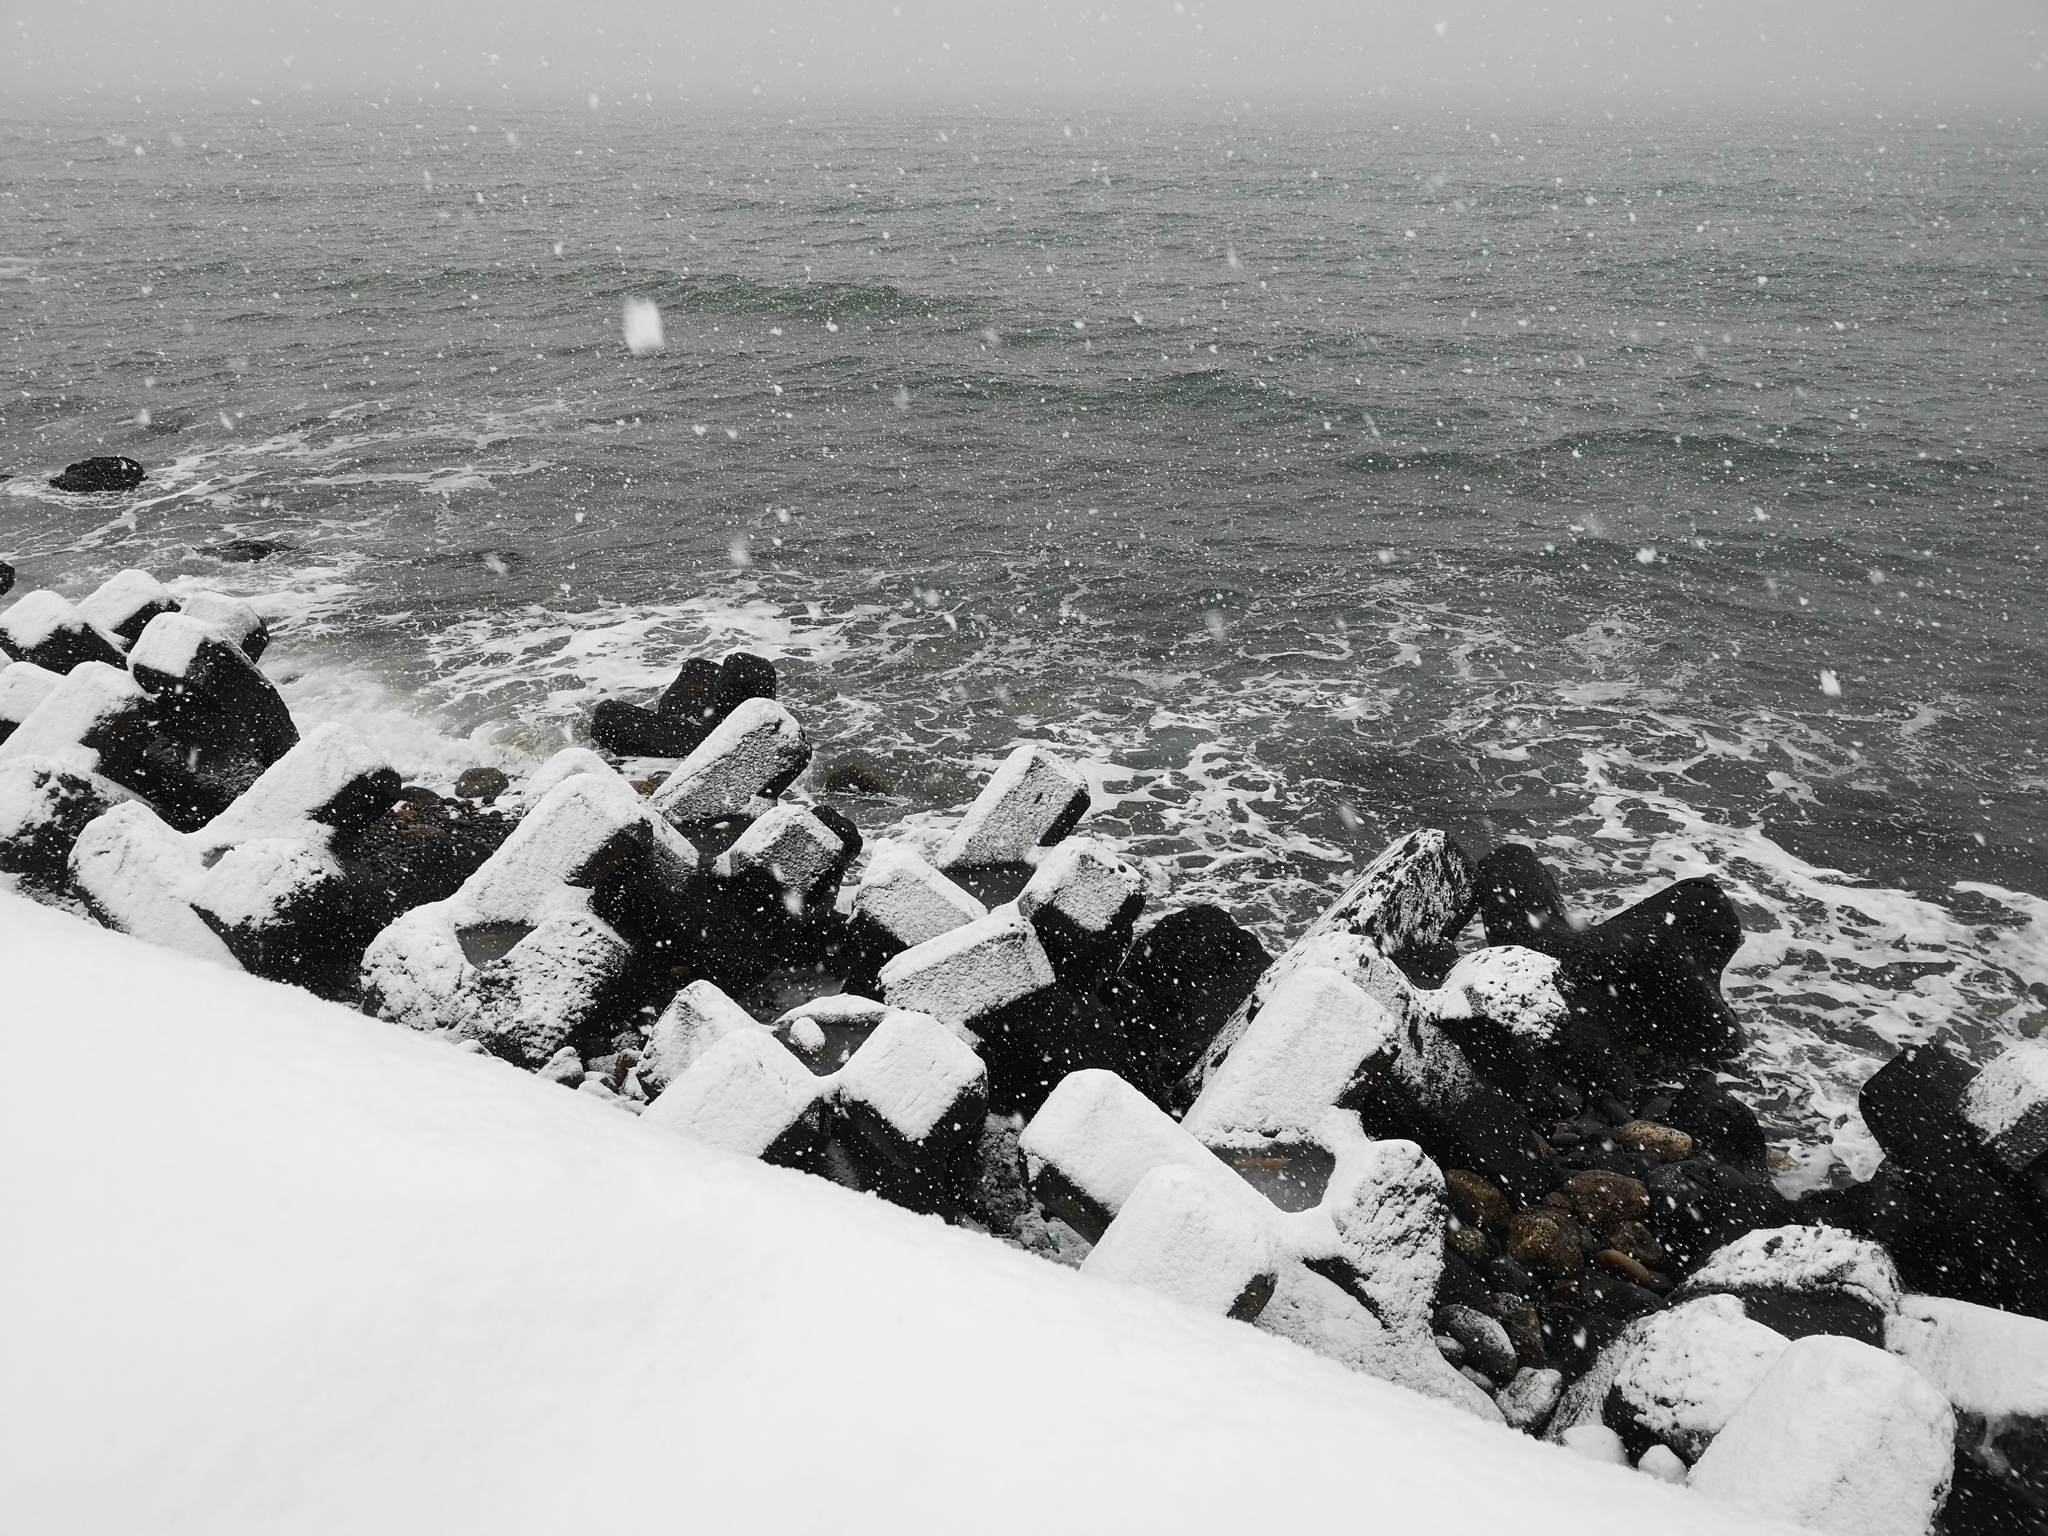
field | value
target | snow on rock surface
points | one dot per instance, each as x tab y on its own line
910	900
746	1094
445	1292
1679	1374
230	618
1507	985
1840	1437
91	696
125	602
696	1018
1407	898
795	848
1991	1365
1032	800
565	764
2007	1104
23	685
1084	881
1315	1035
1177	1236
1798	1278
139	876
758	749
43	628
971	971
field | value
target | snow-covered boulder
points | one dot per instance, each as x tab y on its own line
901	901
1992	1367
208	696
44	629
1031	801
23	685
747	1094
1674	1377
757	751
1176	1235
1084	902
43	807
138	876
234	620
1837	1436
2007	1105
516	957
1804	1280
124	603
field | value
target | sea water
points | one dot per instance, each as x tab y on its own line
1655	491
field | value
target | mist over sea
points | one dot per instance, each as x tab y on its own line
1657	491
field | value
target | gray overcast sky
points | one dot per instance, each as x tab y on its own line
1824	53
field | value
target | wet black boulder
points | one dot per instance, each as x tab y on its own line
110	473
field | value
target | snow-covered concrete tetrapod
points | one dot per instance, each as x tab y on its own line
229	617
43	807
1992	1367
208	695
902	901
262	876
1031	801
1674	1377
565	764
909	901
796	851
1176	1236
516	957
1407	900
968	975
748	1095
2007	1105
696	1018
904	1104
1357	1259
1422	1089
137	876
1084	903
125	602
1837	1436
914	1093
1504	1005
1317	1037
44	629
1803	1280
757	751
23	685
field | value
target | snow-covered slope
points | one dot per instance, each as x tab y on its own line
273	1266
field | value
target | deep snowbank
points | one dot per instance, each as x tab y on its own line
275	1266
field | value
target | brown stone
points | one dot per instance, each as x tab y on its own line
1639	1243
1601	1199
1525	1331
1477	1202
1470	1244
1545	1239
1616	1262
1658	1141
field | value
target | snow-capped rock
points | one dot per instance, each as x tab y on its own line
1032	800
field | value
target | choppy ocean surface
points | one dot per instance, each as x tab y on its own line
1659	492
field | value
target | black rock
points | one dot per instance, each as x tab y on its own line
1720	1124
6	578
247	551
1959	1226
627	730
484	784
1649	976
100	474
211	703
694	694
742	676
421	850
1184	976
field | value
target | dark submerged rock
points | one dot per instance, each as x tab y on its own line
106	473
